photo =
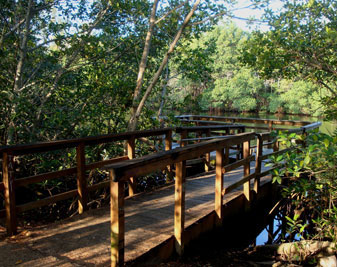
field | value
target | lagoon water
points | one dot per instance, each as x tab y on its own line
327	127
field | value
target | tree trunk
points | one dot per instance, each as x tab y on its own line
135	116
19	70
143	61
163	93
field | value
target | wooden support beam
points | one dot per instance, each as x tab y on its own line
179	206
276	146
8	180
183	135
208	155
237	164
131	154
81	179
226	160
238	183
219	163
168	146
258	162
246	169
117	221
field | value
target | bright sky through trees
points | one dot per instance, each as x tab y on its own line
244	10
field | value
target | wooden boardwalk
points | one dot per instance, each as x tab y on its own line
84	240
149	225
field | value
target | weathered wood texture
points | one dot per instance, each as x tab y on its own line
174	156
153	162
219	163
9	184
117	223
120	172
8	181
85	239
179	206
131	155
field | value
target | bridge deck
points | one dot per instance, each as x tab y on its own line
84	240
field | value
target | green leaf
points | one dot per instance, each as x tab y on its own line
326	142
307	159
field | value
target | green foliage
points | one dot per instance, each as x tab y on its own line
312	189
210	73
301	43
297	97
239	92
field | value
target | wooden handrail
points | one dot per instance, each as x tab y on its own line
149	163
210	127
168	158
312	126
245	120
120	172
25	149
10	183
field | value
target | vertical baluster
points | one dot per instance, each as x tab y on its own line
179	206
81	179
183	135
246	169
258	162
168	146
8	180
276	145
208	155
117	221
131	155
219	163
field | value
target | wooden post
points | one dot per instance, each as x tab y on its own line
183	135
131	155
246	169
305	135
168	146
258	162
276	146
219	163
179	206
117	221
227	131
81	180
8	180
226	160
208	155
270	128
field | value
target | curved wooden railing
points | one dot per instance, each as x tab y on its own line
10	183
213	120
120	172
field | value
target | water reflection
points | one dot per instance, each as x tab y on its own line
327	126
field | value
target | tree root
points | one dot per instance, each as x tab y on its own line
298	251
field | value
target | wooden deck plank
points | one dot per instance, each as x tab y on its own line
85	239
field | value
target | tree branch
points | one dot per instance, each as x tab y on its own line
143	61
134	119
171	11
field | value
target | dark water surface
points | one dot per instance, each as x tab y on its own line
327	126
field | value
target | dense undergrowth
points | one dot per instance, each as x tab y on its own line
308	175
